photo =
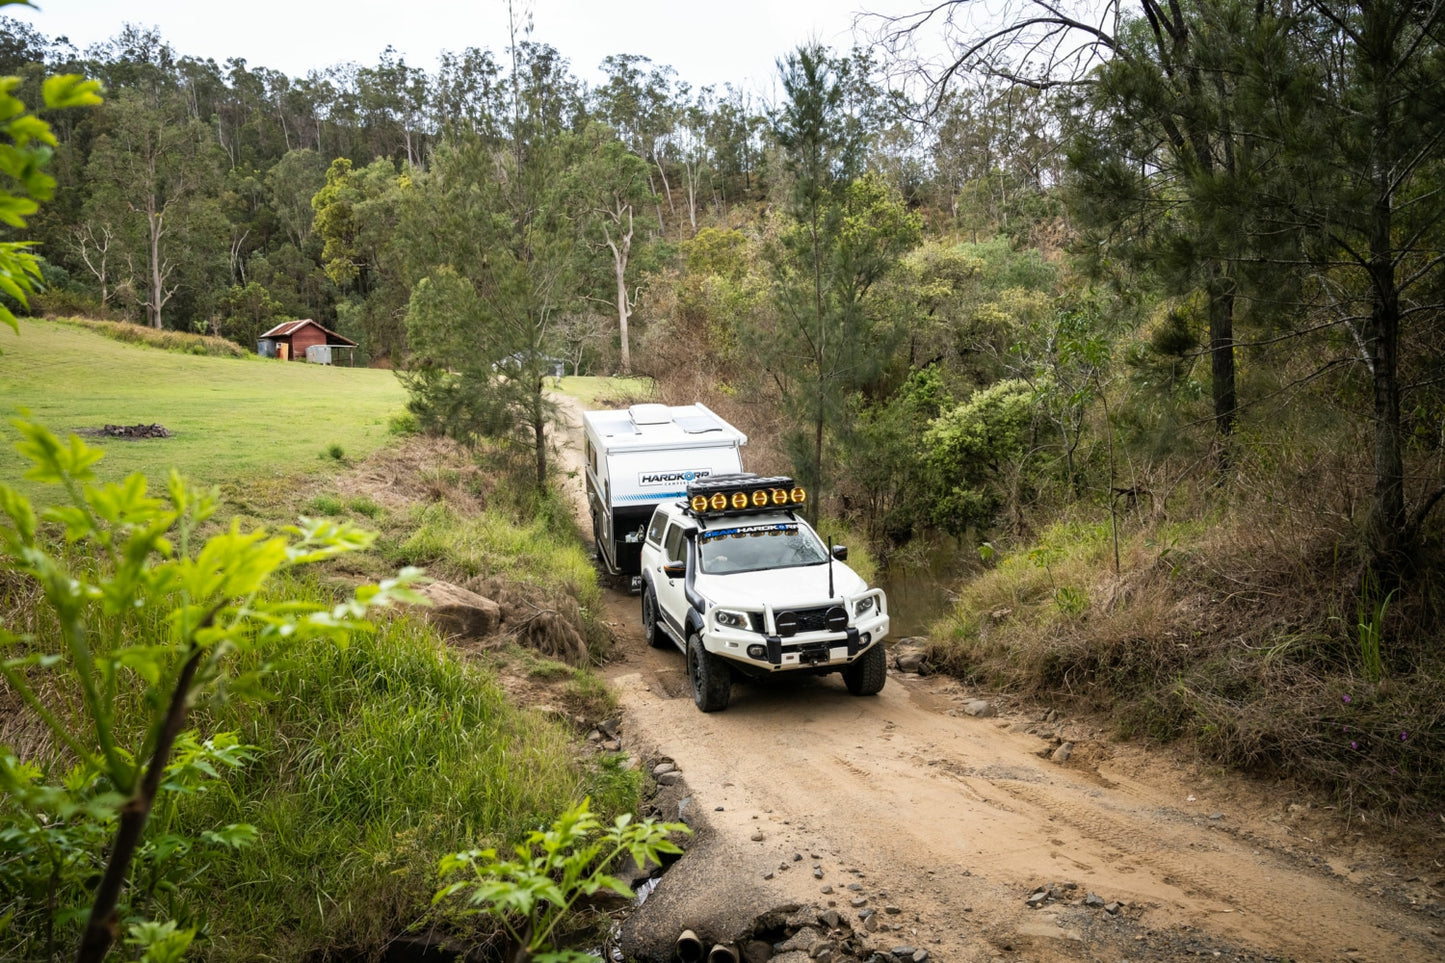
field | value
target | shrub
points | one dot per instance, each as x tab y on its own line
132	618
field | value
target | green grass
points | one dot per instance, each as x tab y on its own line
375	760
607	392
231	419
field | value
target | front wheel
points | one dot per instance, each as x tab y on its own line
650	630
712	679
867	675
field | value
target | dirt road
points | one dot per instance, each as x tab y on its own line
947	824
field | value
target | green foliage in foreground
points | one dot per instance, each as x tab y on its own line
26	146
133	614
372	763
532	895
310	820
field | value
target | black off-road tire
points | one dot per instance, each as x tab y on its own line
866	675
651	631
711	677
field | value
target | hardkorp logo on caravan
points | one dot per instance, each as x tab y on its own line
670	477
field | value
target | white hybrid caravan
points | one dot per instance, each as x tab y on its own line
645	455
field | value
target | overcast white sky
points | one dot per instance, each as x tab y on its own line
709	42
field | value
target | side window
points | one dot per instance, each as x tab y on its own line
672	547
655	527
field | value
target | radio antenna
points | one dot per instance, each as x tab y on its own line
829	546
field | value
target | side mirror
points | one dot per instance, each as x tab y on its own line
674	569
840	552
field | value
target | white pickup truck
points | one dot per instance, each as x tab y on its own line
744	587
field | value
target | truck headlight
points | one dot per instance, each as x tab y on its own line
730	619
864	606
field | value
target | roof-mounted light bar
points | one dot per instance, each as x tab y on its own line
737	494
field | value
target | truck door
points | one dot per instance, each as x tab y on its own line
671	592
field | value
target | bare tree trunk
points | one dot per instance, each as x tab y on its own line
238	267
666	188
692	178
620	249
156	221
86	240
656	203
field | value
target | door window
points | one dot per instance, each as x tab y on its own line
672	546
655	527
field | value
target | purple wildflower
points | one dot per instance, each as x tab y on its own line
1347	698
1404	736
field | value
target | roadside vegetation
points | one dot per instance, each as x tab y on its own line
314	819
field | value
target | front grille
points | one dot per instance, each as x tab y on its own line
813	620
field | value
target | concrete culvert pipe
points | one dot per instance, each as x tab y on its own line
689	947
723	953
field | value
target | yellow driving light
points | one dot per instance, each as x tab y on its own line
719	501
699	503
780	496
798	496
740	500
760	498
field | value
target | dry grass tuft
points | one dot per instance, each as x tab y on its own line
180	341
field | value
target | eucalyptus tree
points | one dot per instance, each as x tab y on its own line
154	177
616	182
734	142
693	151
393	99
469	94
641	102
293	180
356	216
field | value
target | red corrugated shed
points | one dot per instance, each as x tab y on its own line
300	335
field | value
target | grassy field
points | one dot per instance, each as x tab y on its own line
231	420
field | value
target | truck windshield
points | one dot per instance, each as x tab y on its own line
752	548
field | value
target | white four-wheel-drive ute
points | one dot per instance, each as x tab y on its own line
734	578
